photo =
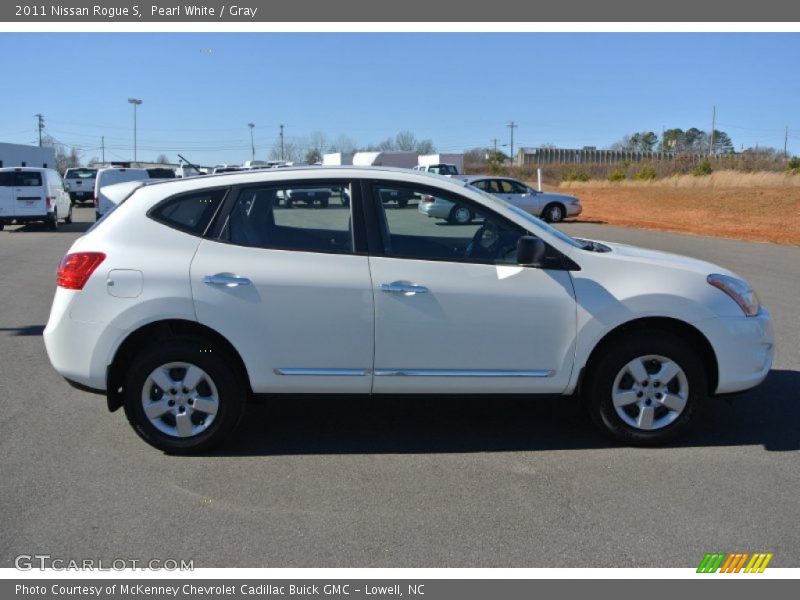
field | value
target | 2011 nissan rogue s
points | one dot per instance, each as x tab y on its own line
192	295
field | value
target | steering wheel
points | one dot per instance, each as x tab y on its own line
477	249
494	249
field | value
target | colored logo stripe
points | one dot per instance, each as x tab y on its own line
734	562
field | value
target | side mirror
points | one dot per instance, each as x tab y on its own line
530	251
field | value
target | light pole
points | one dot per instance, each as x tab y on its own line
136	102
252	144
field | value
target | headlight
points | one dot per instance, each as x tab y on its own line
741	292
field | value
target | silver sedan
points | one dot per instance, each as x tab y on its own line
549	206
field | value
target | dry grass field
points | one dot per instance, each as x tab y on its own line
749	206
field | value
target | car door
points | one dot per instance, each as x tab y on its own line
520	195
30	191
454	313
289	286
7	203
60	196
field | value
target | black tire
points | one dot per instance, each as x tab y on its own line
323	203
68	218
402	202
554	213
458	216
52	224
601	374
219	366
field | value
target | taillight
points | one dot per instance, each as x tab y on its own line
75	269
49	201
428	199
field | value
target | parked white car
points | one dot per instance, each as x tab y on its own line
438	169
550	206
193	295
29	194
108	177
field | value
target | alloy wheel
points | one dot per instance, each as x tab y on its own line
650	392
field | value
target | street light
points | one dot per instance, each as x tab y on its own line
252	144
136	102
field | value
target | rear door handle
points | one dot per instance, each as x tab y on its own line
226	280
408	289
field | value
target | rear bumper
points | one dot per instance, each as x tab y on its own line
78	350
745	349
83	196
26	219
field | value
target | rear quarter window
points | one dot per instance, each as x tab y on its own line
20	179
191	212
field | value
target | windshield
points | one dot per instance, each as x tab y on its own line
529	217
81	173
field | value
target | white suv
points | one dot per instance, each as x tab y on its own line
193	295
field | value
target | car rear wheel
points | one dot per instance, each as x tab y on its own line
402	202
183	396
554	213
644	391
460	215
68	218
52	224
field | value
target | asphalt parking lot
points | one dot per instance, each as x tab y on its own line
366	482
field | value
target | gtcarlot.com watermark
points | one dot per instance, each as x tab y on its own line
47	562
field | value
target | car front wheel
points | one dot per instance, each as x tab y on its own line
554	213
183	396
460	215
644	390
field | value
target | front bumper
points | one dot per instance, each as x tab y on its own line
745	349
573	210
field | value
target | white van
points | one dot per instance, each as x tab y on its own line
33	194
110	176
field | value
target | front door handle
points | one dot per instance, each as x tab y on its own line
409	289
226	280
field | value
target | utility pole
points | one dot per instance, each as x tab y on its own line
786	142
252	144
494	141
136	102
103	147
40	125
512	126
713	127
281	141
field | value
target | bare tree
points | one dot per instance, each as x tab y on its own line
405	141
65	159
343	143
162	159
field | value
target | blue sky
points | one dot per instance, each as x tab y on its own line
459	89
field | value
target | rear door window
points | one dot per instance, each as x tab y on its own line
25	179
